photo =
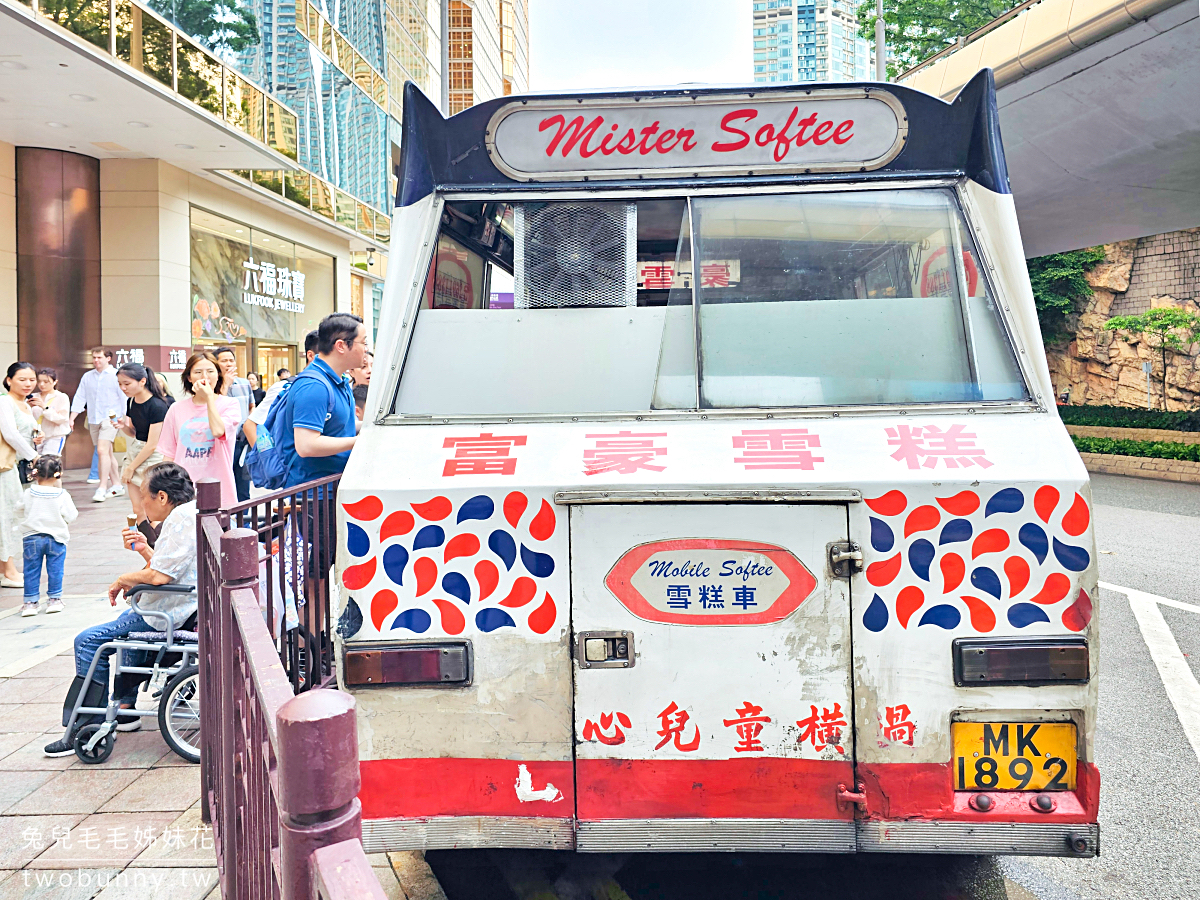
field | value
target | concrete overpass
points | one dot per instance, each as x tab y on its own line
1098	111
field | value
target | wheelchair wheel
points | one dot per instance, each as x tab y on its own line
179	713
99	753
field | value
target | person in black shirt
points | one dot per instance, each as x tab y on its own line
256	387
142	425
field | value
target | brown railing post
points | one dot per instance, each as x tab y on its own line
239	569
208	502
318	782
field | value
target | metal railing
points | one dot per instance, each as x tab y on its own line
279	762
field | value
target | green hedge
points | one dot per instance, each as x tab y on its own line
1128	417
1154	449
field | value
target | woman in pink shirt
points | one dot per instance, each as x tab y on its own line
199	430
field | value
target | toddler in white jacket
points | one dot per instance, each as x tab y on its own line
48	510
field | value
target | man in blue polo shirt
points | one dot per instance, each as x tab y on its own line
319	425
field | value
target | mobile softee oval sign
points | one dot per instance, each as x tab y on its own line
705	135
699	581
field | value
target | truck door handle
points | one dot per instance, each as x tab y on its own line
845	559
857	797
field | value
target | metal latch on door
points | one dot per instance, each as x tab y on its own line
605	649
845	559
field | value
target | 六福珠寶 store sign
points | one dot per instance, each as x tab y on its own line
273	287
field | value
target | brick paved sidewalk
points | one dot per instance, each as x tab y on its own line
129	828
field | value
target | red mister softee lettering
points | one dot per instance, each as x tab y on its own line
821	132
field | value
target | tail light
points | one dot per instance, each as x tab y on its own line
441	663
1000	661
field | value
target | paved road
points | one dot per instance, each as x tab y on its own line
1148	533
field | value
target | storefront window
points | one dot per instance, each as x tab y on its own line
256	292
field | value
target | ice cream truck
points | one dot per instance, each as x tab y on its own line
744	519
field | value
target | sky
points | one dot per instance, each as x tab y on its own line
580	44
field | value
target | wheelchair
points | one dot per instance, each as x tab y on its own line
175	653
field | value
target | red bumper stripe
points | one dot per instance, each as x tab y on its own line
413	788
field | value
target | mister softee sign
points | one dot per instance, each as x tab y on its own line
724	134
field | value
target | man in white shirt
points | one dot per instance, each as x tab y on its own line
101	395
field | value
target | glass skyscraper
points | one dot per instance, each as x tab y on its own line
809	40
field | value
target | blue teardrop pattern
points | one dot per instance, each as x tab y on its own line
395	558
1009	500
488	620
956	530
480	507
882	538
503	545
357	540
456	585
350	621
943	615
1074	558
987	581
1034	539
1022	615
414	620
920	555
429	536
876	617
539	565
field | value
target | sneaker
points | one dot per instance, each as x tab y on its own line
30	608
54	605
116	491
61	747
129	723
100	496
93	481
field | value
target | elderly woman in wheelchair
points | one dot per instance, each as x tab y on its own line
154	638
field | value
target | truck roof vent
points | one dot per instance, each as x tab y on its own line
575	254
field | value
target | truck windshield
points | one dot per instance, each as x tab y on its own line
759	301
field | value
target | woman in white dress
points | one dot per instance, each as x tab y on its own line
16	427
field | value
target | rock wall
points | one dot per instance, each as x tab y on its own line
1099	367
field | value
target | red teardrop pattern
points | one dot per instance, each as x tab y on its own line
488	577
514	507
921	519
523	590
993	540
365	510
961	504
890	504
542	525
1078	614
542	619
884	571
1017	571
1075	522
358	577
953	570
434	510
382	604
1056	587
426	571
982	617
908	602
452	617
461	545
398	523
1044	502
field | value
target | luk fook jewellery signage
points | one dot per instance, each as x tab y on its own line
273	287
752	133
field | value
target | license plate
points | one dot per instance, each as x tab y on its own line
1013	756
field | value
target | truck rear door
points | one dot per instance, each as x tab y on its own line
712	660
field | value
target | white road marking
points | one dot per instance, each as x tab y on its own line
1182	688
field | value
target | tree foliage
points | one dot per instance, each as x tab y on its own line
1059	283
1168	330
917	29
221	26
